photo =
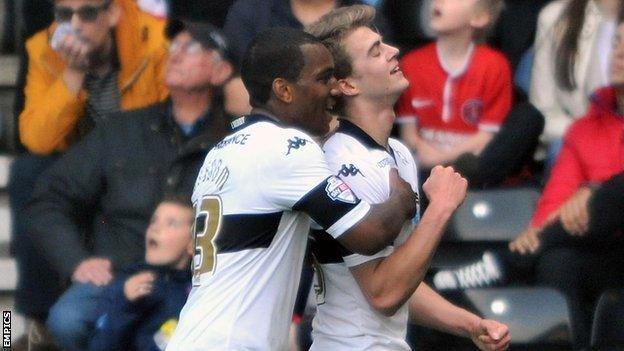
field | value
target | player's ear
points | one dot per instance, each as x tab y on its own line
283	90
347	87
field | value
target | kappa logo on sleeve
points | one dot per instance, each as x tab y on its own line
296	143
349	170
337	190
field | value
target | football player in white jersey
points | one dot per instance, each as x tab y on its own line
364	301
254	197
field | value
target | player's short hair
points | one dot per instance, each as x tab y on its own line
274	53
332	28
494	8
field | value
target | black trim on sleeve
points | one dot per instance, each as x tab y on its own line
326	249
247	231
324	208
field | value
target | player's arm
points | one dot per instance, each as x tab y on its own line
389	282
362	228
428	308
359	226
384	221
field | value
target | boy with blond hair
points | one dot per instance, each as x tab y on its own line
364	301
460	89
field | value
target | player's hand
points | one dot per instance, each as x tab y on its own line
75	52
445	187
574	213
95	270
527	242
403	190
490	335
139	285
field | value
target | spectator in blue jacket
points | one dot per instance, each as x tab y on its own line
141	307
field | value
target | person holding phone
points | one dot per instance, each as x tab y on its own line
111	181
97	57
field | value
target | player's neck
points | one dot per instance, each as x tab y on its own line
454	49
188	107
373	118
265	112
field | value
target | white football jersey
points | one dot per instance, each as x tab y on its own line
344	320
254	197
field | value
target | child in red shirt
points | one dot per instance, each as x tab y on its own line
460	91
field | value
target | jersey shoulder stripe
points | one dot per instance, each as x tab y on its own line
247	231
326	249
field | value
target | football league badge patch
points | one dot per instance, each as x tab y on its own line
337	190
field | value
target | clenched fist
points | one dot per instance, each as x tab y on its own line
445	187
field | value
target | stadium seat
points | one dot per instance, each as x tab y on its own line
488	219
535	316
493	215
538	318
607	328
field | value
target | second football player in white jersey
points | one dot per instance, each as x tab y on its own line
364	301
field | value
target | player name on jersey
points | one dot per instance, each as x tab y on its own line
254	197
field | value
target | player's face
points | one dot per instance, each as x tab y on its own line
376	72
312	97
168	237
448	16
617	61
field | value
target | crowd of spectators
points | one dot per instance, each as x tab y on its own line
122	99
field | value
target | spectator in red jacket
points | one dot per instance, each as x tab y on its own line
575	210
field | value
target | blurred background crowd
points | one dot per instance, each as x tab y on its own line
108	108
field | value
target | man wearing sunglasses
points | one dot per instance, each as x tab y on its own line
110	59
98	57
115	177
